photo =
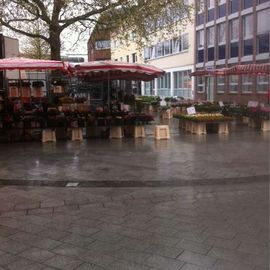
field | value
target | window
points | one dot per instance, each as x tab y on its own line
182	84
221	8
262	84
262	1
248	3
200	39
248	34
247	84
234	36
200	12
127	57
221	33
200	84
134	57
167	47
200	46
210	36
121	59
234	29
221	41
159	49
164	85
210	4
234	6
102	44
176	45
185	42
248	26
146	53
234	49
210	43
220	84
263	22
211	10
233	83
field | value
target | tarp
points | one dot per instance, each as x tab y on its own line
250	69
102	70
21	63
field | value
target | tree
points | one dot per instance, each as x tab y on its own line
36	48
56	16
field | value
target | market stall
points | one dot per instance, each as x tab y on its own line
69	115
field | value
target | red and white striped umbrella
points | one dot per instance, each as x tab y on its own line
102	70
31	64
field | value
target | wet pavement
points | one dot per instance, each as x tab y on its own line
242	155
190	203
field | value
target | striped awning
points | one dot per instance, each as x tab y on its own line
250	69
210	72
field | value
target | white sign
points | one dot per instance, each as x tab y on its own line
163	103
221	104
253	104
191	110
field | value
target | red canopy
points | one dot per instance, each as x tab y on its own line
102	70
31	64
210	72
250	69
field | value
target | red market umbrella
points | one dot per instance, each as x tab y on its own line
250	69
101	70
21	63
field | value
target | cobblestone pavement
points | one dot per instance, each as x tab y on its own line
243	153
206	227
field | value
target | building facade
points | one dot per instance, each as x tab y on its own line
99	44
176	57
231	32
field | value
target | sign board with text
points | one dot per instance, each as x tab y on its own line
191	110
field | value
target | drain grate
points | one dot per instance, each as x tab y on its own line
72	184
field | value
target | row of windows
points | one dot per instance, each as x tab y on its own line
237	84
133	58
220	9
167	47
181	87
263	22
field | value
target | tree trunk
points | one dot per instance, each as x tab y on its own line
55	44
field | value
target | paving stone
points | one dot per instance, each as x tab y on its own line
53	234
224	243
194	246
197	259
37	254
78	240
63	262
131	255
226	265
69	250
6	258
12	246
229	255
99	246
160	262
83	230
88	266
125	265
98	259
171	252
24	264
193	267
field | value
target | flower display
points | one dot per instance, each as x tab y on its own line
206	117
